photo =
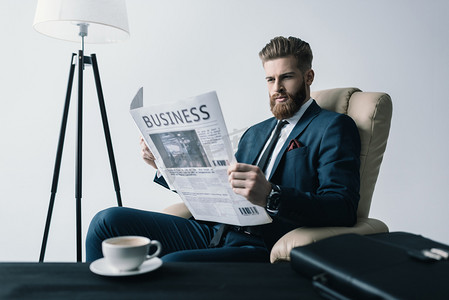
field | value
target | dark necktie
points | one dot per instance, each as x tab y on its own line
224	228
263	162
221	232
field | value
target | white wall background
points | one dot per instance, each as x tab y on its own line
183	48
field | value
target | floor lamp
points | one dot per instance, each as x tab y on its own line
85	21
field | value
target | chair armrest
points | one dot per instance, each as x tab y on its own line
178	209
303	236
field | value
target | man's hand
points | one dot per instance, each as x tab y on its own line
147	156
250	182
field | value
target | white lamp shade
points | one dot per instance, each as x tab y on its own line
107	20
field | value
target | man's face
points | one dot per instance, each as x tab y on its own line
288	87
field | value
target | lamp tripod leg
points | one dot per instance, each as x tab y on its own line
107	133
79	157
59	151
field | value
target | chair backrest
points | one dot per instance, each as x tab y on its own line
372	113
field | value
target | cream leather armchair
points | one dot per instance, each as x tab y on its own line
372	113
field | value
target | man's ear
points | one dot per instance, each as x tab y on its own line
309	76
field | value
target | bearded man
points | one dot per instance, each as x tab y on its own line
302	165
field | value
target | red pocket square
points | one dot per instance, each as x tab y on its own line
293	145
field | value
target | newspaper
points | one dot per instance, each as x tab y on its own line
193	150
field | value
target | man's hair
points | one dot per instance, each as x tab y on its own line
282	47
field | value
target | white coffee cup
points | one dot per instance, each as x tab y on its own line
126	253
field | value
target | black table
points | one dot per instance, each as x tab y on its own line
171	281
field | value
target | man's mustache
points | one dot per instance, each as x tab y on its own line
280	95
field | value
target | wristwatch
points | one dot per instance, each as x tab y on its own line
274	199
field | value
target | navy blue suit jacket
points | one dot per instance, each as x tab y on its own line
320	180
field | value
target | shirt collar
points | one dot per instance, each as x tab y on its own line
295	118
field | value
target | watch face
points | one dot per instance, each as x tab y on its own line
273	199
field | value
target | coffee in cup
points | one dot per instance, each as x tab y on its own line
126	253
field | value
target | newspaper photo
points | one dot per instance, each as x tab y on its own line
193	150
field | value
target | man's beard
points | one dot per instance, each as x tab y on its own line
288	108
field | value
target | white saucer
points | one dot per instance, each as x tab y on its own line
100	267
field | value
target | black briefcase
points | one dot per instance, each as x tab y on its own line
396	265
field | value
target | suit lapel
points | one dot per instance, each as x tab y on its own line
302	124
260	139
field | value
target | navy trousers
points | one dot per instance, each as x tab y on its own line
181	239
